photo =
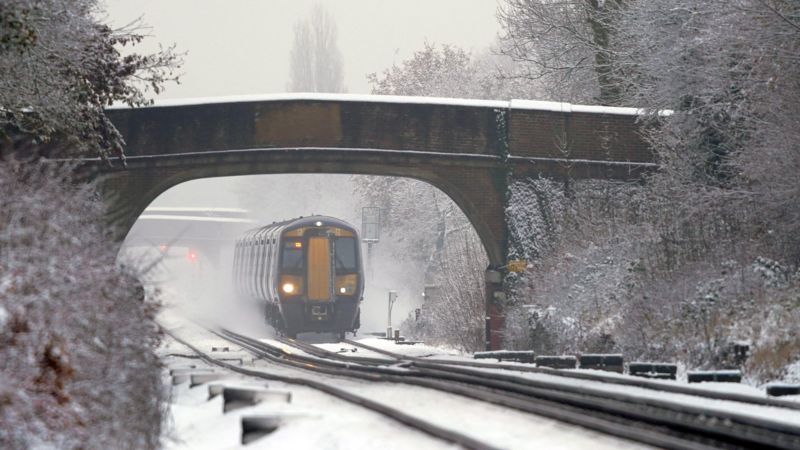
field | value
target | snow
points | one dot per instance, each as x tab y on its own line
322	97
313	420
196	209
401	99
193	218
416	350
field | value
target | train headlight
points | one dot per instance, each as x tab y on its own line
288	288
343	290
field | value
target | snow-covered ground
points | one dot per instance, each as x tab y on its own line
316	420
313	420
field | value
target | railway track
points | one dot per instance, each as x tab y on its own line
650	421
412	422
586	376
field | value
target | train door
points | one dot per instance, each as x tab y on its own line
319	269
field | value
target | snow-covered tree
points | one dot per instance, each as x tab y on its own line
315	61
450	71
60	66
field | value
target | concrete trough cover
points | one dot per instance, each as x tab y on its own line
237	397
189	371
202	378
179	379
234	361
609	362
256	427
661	371
556	362
778	390
215	390
720	376
523	356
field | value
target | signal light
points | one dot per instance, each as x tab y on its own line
192	255
162	248
288	288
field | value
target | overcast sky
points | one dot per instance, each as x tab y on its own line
242	46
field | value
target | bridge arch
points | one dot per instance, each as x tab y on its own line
470	150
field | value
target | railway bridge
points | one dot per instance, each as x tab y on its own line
470	149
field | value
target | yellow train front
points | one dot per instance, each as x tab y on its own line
307	272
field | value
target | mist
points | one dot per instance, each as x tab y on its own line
203	290
242	46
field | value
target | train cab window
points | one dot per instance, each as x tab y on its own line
346	254
292	255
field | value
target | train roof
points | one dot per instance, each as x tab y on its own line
303	221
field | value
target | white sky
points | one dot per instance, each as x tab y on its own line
242	46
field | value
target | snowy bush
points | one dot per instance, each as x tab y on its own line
77	367
455	315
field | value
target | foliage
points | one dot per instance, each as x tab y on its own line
315	61
60	67
76	335
705	254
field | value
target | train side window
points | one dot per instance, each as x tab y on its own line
346	254
292	256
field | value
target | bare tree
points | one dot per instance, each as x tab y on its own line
315	63
567	45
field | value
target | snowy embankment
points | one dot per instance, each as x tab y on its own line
767	412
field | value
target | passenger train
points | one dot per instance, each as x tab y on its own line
307	272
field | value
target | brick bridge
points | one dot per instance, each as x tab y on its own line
471	150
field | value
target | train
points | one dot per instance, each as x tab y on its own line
306	272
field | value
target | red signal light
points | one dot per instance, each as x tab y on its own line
192	255
162	248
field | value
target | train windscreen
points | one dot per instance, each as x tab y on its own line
346	254
292	257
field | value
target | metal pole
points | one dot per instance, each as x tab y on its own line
392	299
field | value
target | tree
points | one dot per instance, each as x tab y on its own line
315	63
706	252
450	71
567	45
60	67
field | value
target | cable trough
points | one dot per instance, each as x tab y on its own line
651	421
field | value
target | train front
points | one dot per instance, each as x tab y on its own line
320	278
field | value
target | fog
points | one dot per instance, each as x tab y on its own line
203	288
242	46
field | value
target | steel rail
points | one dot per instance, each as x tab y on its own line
689	413
725	426
610	418
426	427
636	382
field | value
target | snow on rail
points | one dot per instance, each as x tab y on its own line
504	104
